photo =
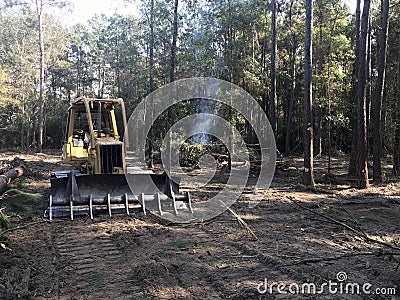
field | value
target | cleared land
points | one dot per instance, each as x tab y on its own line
142	257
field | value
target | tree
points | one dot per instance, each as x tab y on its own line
273	100
353	154
308	175
292	60
362	154
151	74
396	163
377	119
39	11
170	116
174	41
40	4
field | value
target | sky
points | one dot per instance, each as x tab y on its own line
83	10
352	4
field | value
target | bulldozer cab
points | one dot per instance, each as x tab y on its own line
92	142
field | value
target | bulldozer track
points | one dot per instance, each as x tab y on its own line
90	264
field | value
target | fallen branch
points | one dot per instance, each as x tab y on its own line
358	233
5	248
241	222
354	220
356	203
331	258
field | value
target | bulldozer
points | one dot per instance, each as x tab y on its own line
106	177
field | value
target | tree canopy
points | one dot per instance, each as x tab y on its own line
116	56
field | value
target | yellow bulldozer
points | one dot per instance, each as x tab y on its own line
106	177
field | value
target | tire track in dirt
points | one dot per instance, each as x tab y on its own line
90	265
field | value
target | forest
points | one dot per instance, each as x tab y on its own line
326	75
255	45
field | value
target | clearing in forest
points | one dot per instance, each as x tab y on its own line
143	257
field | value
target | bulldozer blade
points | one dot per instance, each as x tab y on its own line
73	193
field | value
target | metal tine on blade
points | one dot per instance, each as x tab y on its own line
174	203
159	203
91	206
170	192
189	202
71	207
50	208
143	203
126	204
109	204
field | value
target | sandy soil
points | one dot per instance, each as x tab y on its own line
143	257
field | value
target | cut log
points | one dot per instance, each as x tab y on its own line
8	176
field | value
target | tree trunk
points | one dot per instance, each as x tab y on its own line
377	134
274	101
362	154
353	154
320	91
368	96
293	50
151	77
383	123
170	116
291	99
318	131
369	76
289	126
8	176
174	41
308	176
329	135
39	8
396	162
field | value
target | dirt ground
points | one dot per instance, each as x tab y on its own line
143	257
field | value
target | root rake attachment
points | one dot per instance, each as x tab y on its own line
77	194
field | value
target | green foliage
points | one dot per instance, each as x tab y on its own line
4	221
20	202
20	183
20	59
190	154
15	195
5	88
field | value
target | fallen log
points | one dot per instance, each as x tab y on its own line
8	176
